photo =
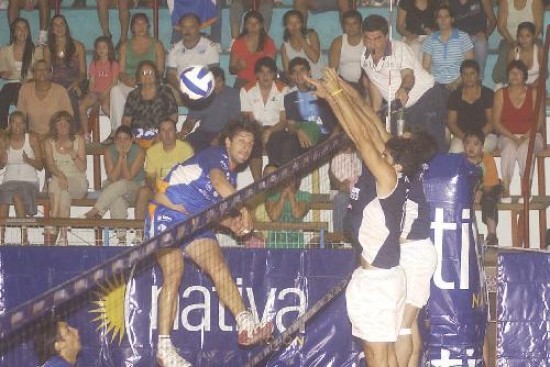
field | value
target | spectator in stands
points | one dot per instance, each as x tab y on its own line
124	168
148	104
415	22
123	18
444	51
487	192
65	156
308	119
16	61
319	6
395	74
102	76
57	344
514	117
14	9
40	99
238	7
300	41
208	13
141	47
263	101
527	51
68	59
213	114
21	158
192	49
251	45
286	204
509	16
159	160
345	169
345	51
477	18
470	107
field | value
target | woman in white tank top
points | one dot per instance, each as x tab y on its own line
527	51
21	155
300	42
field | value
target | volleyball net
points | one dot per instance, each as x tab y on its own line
17	323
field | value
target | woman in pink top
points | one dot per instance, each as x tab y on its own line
102	75
251	45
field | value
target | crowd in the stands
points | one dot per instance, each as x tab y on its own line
136	84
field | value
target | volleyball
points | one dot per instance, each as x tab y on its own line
197	82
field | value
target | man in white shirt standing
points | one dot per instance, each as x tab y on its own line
193	49
397	77
263	101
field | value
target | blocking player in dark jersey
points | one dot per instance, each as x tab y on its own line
186	190
376	293
418	256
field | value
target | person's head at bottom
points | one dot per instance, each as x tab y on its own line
56	343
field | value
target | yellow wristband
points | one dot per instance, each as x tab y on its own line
337	92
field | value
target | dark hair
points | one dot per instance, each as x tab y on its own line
528	26
111	50
474	133
444	6
167	118
266	61
58	116
70	47
234	127
425	145
45	337
520	65
352	14
28	51
137	16
295	13
375	22
263	33
192	16
404	152
147	63
217	72
470	64
124	129
297	61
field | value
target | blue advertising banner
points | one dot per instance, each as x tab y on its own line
457	307
523	309
117	323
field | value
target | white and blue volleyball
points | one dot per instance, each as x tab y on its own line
197	82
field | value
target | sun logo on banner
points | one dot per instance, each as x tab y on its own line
110	308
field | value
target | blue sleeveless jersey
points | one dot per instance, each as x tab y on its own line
376	221
416	225
189	184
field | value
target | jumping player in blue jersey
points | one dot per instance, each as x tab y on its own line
187	189
375	296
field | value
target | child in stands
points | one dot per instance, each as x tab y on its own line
487	192
103	75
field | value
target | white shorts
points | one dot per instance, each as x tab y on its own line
419	260
375	300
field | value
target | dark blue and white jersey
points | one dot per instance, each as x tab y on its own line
189	183
416	224
376	221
